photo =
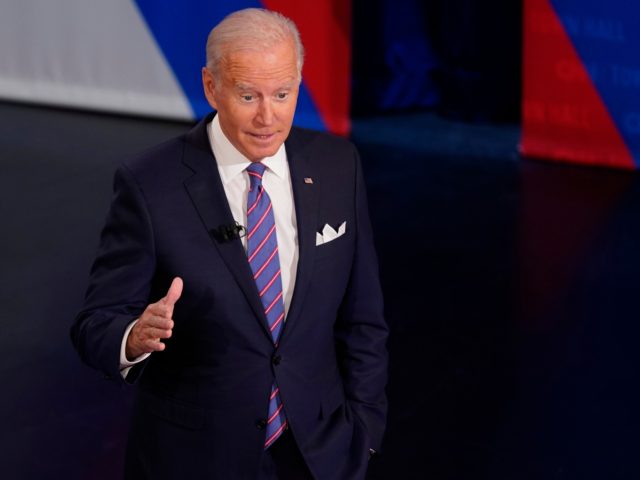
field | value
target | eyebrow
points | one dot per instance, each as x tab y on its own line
249	86
244	86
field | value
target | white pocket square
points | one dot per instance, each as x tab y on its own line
328	233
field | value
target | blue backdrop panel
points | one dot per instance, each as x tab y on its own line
605	33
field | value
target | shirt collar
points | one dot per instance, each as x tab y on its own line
232	163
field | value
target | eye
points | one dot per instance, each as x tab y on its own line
282	95
246	98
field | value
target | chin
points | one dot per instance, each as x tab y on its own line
263	151
256	156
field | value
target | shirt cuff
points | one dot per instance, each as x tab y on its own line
125	364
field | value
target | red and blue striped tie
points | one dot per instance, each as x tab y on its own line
262	250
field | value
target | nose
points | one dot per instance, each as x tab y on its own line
265	112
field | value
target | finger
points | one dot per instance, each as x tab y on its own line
156	333
174	292
156	321
143	331
160	310
154	345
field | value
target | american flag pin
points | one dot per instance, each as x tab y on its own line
308	180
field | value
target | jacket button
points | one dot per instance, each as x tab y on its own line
260	424
276	359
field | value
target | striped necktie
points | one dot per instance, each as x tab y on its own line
262	251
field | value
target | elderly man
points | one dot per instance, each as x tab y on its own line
236	284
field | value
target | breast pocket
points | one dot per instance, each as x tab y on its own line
337	248
327	250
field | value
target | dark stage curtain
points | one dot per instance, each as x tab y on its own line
460	57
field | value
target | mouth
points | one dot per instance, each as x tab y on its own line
262	137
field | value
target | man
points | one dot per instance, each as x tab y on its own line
236	284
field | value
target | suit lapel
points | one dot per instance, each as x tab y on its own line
207	194
305	197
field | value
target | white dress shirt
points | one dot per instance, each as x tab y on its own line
235	180
277	183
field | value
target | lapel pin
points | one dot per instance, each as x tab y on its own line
308	180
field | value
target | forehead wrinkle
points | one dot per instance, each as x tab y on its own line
241	72
245	66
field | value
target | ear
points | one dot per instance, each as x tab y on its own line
209	86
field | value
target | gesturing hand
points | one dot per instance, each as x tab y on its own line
155	324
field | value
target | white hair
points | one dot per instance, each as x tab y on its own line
251	28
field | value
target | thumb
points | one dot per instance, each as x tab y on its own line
174	292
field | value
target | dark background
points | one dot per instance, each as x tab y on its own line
510	285
461	58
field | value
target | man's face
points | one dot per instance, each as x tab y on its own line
255	98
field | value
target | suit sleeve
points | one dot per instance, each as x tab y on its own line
120	280
361	330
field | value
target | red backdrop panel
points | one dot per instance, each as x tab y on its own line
564	116
325	27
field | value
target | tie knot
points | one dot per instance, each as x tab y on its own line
255	171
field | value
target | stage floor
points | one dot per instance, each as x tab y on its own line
510	285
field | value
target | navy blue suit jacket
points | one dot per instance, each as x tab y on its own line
200	403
